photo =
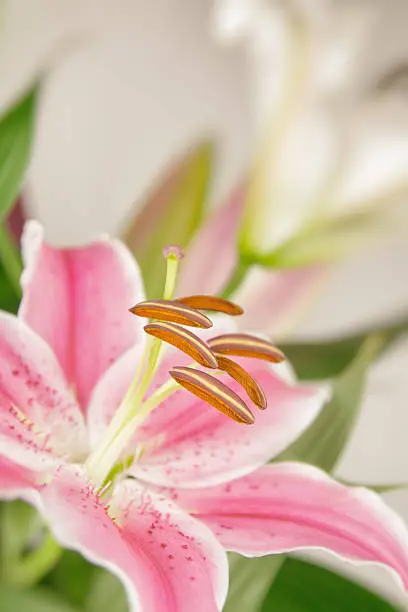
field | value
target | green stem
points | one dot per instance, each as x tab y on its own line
30	569
130	412
10	258
235	279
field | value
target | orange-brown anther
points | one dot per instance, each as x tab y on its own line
173	311
184	340
209	302
214	392
245	345
237	372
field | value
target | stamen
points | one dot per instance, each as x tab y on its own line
209	302
184	340
237	372
214	392
245	345
170	310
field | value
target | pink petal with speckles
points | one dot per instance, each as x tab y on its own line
166	559
32	382
21	444
77	300
15	480
292	506
188	443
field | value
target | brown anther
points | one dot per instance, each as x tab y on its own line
209	302
245	345
170	310
184	340
237	372
214	392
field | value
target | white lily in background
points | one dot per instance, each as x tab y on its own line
104	133
126	87
331	146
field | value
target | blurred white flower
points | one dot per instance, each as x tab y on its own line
127	87
331	146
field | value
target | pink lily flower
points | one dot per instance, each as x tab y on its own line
192	483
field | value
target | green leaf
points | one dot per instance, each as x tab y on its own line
19	525
72	577
303	587
36	600
249	581
28	551
8	297
106	594
327	359
171	214
10	260
325	440
16	131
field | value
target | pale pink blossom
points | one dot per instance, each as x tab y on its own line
197	484
275	301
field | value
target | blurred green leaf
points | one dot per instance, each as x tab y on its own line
27	549
19	525
303	587
327	359
11	261
250	580
106	594
16	131
325	440
72	577
35	600
9	300
377	488
171	214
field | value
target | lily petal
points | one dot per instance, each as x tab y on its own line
110	391
292	506
166	559
275	301
212	255
122	127
20	443
377	163
32	385
186	442
16	480
78	300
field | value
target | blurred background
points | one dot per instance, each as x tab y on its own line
127	89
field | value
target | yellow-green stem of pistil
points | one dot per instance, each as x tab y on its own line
132	411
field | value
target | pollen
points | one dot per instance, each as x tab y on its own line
238	373
246	345
172	311
209	302
213	392
184	340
